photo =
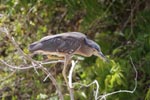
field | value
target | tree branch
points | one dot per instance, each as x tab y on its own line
34	63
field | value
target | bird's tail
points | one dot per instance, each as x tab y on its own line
35	46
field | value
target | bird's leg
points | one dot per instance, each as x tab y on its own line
67	58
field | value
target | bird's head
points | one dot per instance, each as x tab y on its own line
96	49
99	54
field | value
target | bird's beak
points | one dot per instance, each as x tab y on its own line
101	55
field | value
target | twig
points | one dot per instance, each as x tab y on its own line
15	67
97	87
54	82
70	79
70	73
28	67
136	74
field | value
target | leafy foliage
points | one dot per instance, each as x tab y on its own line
120	27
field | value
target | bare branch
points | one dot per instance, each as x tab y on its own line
97	87
17	67
70	80
70	73
21	67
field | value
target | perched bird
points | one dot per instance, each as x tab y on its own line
66	45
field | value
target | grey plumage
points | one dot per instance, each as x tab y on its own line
66	43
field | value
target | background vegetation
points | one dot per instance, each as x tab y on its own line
120	27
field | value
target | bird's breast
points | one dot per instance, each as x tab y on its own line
84	51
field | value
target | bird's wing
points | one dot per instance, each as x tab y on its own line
61	44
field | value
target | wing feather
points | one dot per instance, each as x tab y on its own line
61	44
66	43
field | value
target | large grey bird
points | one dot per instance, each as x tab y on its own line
66	45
